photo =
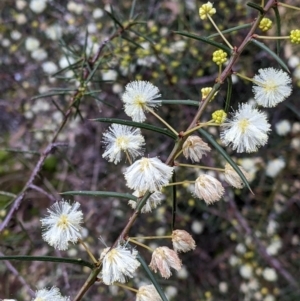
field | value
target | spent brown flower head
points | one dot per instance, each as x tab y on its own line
182	241
232	178
194	148
208	188
163	259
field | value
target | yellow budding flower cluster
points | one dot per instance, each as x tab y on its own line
295	36
219	116
205	91
206	10
219	57
265	24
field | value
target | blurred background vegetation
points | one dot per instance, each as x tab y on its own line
247	244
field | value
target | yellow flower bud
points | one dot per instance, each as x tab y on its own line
295	36
205	10
219	116
265	24
219	57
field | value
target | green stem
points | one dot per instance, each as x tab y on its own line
151	237
88	251
140	244
163	121
288	6
181	183
200	166
218	30
88	283
126	287
271	38
187	133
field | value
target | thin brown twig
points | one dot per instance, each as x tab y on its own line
41	190
36	170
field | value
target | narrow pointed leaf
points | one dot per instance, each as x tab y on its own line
229	30
69	67
141	35
256	6
180	102
114	18
205	40
225	155
145	126
278	28
152	278
111	194
9	194
174	200
131	41
293	108
229	92
132	9
50	259
270	52
92	73
50	94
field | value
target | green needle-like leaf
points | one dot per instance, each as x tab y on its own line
293	108
114	18
205	40
50	259
145	126
180	102
256	6
229	30
112	194
50	94
124	36
229	92
225	155
142	35
278	28
273	54
92	72
152	278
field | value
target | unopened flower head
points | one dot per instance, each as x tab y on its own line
153	201
208	188
272	86
147	293
122	138
219	116
295	36
232	177
194	148
205	10
148	174
139	96
219	57
247	130
52	294
265	24
163	259
205	92
118	263
62	225
182	241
